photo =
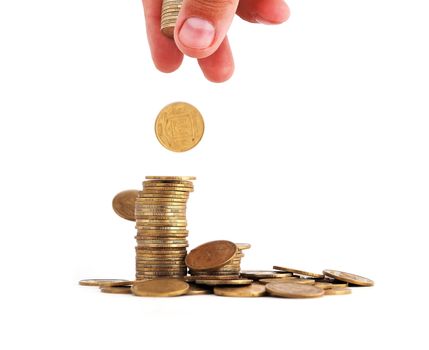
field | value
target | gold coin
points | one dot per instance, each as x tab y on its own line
259	274
198	290
168	183
298	272
211	255
243	246
163	287
285	279
252	290
105	282
171	178
116	290
324	285
179	127
123	204
349	278
338	291
211	277
293	290
224	282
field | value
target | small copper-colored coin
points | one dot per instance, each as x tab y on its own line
223	282
259	274
116	290
179	127
338	291
349	278
252	290
195	289
124	203
293	290
163	287
298	272
211	256
105	282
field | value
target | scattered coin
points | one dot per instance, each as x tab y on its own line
299	272
224	282
252	290
338	291
285	279
293	290
116	290
195	289
123	204
179	127
349	278
211	255
160	288
105	282
260	274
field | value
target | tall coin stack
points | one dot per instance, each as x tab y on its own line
160	212
169	13
230	270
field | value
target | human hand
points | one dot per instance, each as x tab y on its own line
201	32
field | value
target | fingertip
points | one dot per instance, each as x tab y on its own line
220	74
218	67
168	65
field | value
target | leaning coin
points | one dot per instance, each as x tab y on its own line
252	290
211	255
116	290
349	278
105	282
293	290
123	204
299	272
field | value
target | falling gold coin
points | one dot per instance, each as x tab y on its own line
179	127
252	290
349	278
124	203
293	290
163	287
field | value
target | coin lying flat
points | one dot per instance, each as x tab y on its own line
179	127
105	282
349	278
338	291
211	255
160	288
259	274
224	282
269	280
171	178
293	290
243	246
252	290
116	290
299	272
195	289
123	204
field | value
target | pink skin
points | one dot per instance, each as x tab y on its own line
201	32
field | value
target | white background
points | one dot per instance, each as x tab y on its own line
315	152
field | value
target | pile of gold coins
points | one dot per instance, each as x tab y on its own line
169	13
160	215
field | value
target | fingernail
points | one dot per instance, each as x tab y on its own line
263	21
196	33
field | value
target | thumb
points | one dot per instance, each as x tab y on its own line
202	25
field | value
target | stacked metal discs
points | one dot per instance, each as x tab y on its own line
160	213
229	271
169	13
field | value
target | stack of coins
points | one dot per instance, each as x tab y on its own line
169	13
229	271
160	212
